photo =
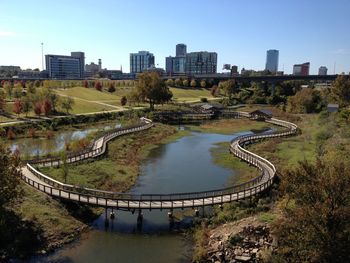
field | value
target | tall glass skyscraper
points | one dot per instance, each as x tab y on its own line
141	61
272	60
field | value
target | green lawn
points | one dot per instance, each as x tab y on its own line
81	106
88	94
189	94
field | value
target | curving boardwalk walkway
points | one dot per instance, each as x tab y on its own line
158	201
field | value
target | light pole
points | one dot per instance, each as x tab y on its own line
42	56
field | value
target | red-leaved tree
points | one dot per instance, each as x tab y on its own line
98	86
46	107
85	83
37	108
17	106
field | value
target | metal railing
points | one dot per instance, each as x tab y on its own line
130	200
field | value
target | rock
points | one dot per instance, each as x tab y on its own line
255	250
243	258
43	252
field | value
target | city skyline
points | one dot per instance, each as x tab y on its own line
312	31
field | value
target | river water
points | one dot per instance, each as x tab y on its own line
181	166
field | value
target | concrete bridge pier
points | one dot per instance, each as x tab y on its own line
106	219
139	217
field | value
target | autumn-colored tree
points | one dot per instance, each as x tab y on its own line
193	83
152	88
10	174
32	132
37	108
46	107
306	100
185	82
123	101
341	90
203	83
315	224
85	83
18	106
111	87
214	90
178	82
49	134
98	86
170	82
11	134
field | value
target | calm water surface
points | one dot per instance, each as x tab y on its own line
181	166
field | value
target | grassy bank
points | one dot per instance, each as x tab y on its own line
230	126
119	169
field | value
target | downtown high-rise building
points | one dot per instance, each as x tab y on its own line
176	65
322	70
141	61
272	60
202	62
301	69
65	67
181	50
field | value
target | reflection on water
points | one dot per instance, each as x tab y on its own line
181	166
43	146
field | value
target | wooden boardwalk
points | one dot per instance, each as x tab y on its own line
158	201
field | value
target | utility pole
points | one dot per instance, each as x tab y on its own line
42	56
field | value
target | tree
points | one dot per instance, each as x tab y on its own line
10	174
315	226
54	100
152	88
8	89
214	90
341	90
2	103
203	84
177	82
46	107
98	86
67	104
17	91
17	107
306	100
37	83
170	82
85	83
123	101
229	87
37	108
27	105
111	87
193	83
185	83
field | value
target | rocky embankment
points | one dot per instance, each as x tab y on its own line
247	240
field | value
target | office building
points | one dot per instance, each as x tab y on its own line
176	65
65	67
141	61
202	62
272	60
301	69
181	50
81	56
234	70
322	70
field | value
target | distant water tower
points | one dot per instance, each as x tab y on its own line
99	64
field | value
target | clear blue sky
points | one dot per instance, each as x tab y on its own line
239	31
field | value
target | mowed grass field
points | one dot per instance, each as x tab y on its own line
189	94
